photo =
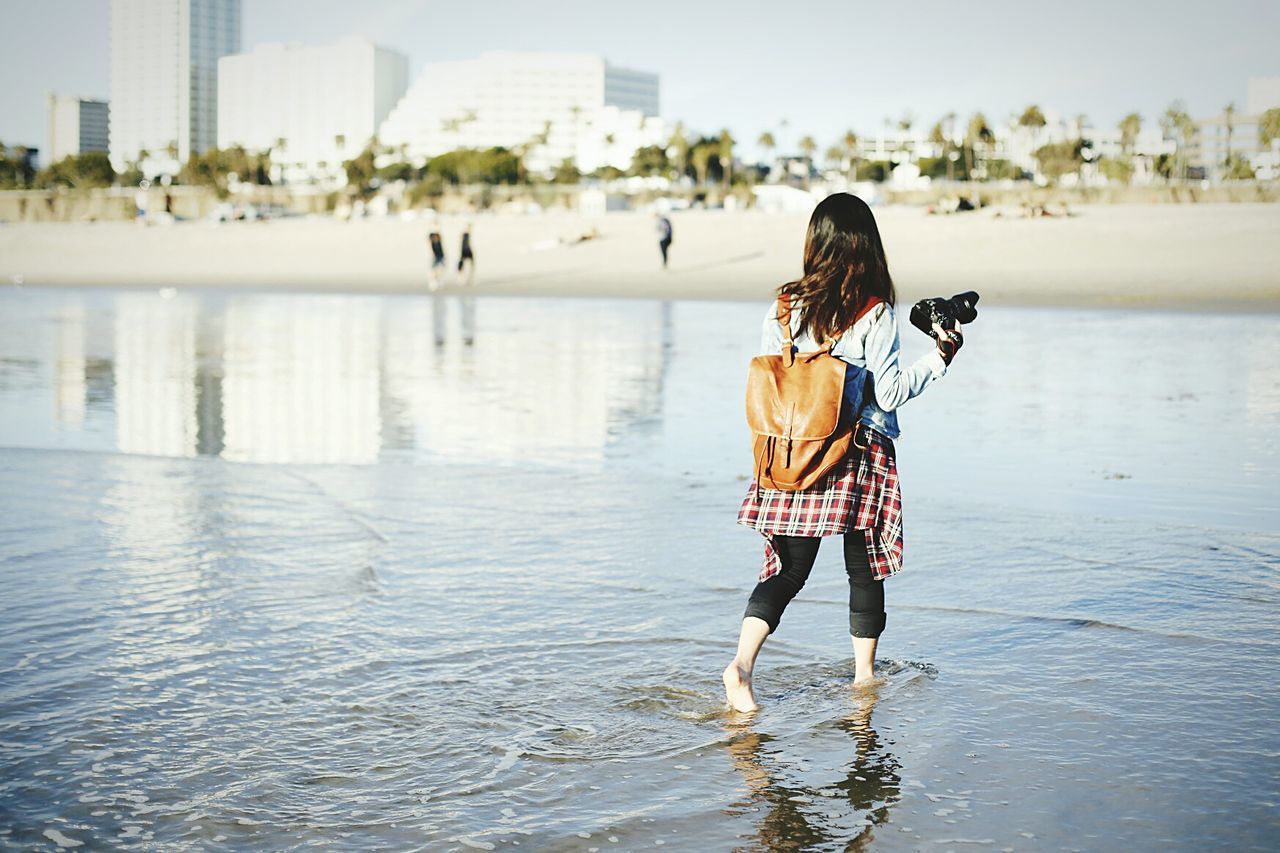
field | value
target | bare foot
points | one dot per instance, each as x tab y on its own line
864	678
737	688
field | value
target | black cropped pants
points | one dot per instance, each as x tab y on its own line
798	553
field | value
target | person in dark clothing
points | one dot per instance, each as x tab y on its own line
466	259
437	260
664	237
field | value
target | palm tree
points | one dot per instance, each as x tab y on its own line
1229	121
850	141
680	143
1269	127
834	155
726	155
701	158
768	143
979	133
1130	127
807	147
1178	126
1032	117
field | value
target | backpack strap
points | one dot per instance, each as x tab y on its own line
784	320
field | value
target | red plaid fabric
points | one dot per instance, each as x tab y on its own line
862	492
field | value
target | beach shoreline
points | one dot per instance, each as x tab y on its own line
1198	257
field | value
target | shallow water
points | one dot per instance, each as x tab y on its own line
282	571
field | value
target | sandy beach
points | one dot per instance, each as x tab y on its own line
1191	256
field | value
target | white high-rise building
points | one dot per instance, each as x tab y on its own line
313	106
164	77
560	105
76	125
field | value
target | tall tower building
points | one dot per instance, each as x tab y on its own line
164	77
76	126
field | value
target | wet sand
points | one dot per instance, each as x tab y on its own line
283	570
1183	256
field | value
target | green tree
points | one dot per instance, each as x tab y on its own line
807	147
1237	168
1060	158
850	143
873	170
678	149
398	171
1229	122
700	159
16	170
725	153
489	166
1130	127
1269	127
567	172
79	171
1000	170
361	169
650	160
978	134
1032	117
768	143
834	155
1177	125
1116	169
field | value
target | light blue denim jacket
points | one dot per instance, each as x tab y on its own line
871	346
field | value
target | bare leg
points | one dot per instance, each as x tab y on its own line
864	659
737	675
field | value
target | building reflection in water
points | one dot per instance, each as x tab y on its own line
300	381
155	368
71	387
544	381
796	814
344	379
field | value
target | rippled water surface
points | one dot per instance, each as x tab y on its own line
282	571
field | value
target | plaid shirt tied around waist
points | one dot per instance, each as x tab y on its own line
860	493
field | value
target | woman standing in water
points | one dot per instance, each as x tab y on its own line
845	294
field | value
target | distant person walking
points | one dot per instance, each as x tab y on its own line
466	259
437	260
664	237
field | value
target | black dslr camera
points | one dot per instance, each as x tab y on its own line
947	313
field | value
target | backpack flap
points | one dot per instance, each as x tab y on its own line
800	402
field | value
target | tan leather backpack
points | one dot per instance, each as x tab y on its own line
793	410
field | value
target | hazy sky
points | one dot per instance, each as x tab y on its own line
822	65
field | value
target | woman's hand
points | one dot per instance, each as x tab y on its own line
949	342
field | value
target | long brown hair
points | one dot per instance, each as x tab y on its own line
844	267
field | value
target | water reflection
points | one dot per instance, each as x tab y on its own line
281	378
155	370
799	814
334	379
